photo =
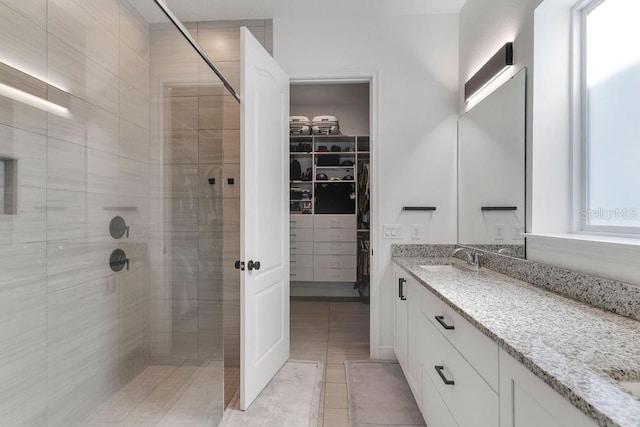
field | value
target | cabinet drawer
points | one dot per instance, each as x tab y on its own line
478	349
301	274
470	399
333	261
301	261
334	221
434	410
334	248
301	235
301	248
334	274
300	221
334	234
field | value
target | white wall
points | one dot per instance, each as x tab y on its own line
485	26
415	61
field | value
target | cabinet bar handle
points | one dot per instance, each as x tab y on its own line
442	377
401	282
440	320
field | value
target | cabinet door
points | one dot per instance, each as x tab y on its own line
401	323
414	291
526	401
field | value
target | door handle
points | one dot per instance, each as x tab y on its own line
239	265
253	265
401	282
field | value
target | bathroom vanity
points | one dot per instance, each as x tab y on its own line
479	348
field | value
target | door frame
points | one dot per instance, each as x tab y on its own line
371	77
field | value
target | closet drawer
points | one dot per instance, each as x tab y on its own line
334	221
478	349
301	235
334	274
301	261
334	235
470	399
301	248
300	221
333	261
334	248
301	274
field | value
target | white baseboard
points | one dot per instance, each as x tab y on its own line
387	353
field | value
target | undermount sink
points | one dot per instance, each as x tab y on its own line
633	387
440	268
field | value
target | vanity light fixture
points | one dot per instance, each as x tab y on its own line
495	66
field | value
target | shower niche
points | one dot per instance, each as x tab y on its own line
8	186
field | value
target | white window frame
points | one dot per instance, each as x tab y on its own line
580	128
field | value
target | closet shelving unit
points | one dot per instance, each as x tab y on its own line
328	239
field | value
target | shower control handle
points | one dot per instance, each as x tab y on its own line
253	265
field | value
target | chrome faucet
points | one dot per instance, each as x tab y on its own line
473	258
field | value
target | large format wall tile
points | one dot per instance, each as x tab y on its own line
107	12
134	105
80	76
223	44
134	30
134	69
77	214
30	223
30	149
134	141
23	335
76	27
34	10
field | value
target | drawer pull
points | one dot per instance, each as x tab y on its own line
401	282
444	379
440	320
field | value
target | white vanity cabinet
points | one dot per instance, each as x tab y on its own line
459	376
526	401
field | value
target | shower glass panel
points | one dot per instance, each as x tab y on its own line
111	256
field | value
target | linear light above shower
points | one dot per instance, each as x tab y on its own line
493	68
12	92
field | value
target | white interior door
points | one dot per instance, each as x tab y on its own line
264	292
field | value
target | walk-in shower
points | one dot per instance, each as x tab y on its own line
111	217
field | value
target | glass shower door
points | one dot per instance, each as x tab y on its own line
110	218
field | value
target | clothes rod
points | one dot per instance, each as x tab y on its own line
196	46
419	208
499	208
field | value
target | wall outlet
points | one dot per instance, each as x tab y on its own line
518	231
498	232
392	231
415	231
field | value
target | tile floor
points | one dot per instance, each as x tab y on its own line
331	332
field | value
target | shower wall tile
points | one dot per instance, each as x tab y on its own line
174	282
174	79
210	317
30	149
207	190
134	30
73	262
211	83
77	215
210	146
136	211
34	10
168	46
231	209
23	43
82	348
107	12
134	105
80	76
231	113
134	141
184	113
22	116
223	43
134	177
173	348
231	146
180	181
231	170
66	165
134	69
76	27
182	147
210	216
182	215
210	112
103	172
86	124
210	282
23	337
30	224
174	248
211	250
134	287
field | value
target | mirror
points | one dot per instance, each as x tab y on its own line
491	171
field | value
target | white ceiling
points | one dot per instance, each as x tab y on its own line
205	10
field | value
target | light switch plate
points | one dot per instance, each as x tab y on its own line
392	231
498	232
415	231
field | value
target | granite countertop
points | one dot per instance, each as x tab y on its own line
578	350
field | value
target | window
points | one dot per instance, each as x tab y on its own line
609	69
